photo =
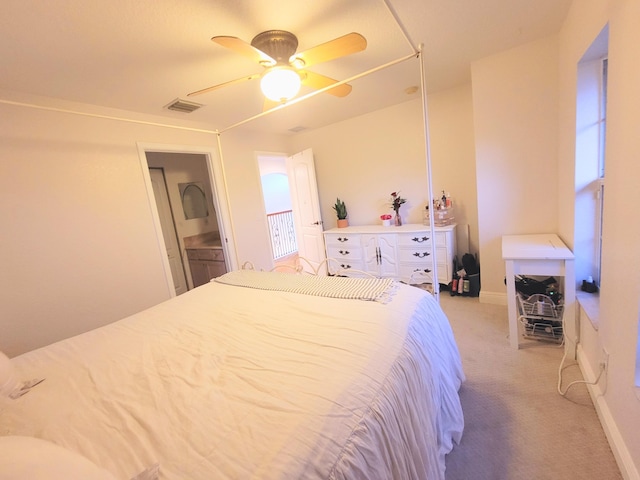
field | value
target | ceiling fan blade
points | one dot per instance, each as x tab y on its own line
317	81
225	84
246	49
336	48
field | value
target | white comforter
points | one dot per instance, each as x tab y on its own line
226	382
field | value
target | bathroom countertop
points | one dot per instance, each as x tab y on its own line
203	240
218	246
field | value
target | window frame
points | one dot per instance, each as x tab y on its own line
599	184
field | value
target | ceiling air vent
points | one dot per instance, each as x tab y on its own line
183	106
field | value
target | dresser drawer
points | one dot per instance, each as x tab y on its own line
415	254
342	239
414	239
344	267
416	273
344	252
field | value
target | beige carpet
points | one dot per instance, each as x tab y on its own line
516	424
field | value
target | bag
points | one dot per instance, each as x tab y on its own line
470	264
468	284
529	286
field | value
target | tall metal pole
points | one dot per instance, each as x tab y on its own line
425	121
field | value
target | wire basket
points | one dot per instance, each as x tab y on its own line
540	317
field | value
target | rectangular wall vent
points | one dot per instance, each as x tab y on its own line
183	106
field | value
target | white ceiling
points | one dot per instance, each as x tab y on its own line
141	55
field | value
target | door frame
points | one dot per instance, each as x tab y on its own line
217	182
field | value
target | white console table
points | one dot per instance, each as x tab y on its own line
543	254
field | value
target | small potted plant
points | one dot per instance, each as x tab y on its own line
341	212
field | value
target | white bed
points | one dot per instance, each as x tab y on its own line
231	382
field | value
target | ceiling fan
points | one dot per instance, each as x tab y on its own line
275	50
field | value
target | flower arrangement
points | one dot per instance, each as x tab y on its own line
396	201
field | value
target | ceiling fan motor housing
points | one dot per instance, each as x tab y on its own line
276	52
278	44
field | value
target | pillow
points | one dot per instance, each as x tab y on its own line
29	457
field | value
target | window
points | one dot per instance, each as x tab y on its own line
599	184
591	107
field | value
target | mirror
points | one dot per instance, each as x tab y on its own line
194	201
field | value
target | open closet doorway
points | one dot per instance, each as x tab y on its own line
188	216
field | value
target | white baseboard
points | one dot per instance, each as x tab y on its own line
625	461
495	298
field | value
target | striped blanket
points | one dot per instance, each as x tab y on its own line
372	289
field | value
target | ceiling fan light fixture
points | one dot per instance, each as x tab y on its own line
280	83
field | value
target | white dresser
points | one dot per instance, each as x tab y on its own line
401	252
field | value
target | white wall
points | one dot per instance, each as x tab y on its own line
78	246
616	398
454	157
515	108
240	151
363	160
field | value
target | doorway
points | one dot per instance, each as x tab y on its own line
299	195
184	166
278	207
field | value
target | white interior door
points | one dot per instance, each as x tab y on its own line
168	229
306	210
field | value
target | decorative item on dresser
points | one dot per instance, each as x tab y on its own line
403	253
341	213
386	220
396	203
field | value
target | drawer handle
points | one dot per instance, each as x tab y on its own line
345	266
420	240
426	270
421	255
345	239
343	252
